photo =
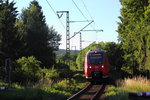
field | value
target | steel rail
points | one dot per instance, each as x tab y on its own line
99	92
96	95
73	97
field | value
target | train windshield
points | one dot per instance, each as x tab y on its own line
95	58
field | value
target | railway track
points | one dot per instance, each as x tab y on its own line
90	92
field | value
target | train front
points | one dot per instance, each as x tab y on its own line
96	65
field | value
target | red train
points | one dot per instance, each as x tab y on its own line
96	66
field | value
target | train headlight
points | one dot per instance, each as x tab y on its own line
102	66
90	66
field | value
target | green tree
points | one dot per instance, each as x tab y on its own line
40	40
114	53
62	60
134	32
63	56
9	37
146	25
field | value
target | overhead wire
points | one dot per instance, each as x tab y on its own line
87	9
82	13
79	10
88	14
55	13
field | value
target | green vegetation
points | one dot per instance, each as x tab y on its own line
26	34
135	85
134	34
27	70
61	60
9	38
31	82
37	73
112	49
48	87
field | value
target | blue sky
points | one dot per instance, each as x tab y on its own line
104	13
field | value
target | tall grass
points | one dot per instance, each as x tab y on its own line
136	84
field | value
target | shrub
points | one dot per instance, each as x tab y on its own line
17	86
50	74
3	84
61	85
27	70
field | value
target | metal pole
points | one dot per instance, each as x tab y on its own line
80	41
80	49
67	37
67	34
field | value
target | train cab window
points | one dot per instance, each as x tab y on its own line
95	58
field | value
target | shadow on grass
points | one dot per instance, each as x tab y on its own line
30	94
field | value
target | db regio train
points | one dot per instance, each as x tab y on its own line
96	65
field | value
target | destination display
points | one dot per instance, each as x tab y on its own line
95	54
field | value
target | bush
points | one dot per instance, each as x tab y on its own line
64	70
27	70
50	74
61	65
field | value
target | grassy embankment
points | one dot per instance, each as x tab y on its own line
45	90
138	84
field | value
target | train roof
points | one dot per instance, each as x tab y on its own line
96	50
